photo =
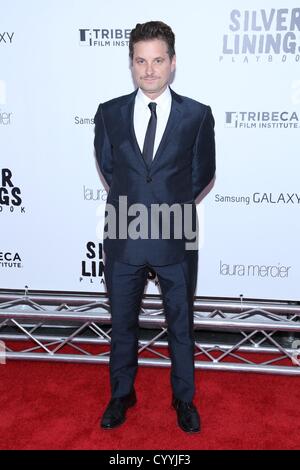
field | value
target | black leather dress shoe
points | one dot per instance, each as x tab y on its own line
115	413
187	416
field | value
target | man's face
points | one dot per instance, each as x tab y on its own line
152	66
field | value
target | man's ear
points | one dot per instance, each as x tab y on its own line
173	63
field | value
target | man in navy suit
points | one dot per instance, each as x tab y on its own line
156	152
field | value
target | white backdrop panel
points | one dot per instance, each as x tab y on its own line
54	71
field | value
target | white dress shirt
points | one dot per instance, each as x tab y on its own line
142	115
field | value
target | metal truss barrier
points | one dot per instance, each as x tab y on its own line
227	331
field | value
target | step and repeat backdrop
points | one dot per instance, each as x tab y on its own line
60	59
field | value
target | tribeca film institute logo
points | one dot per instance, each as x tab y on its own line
10	195
10	260
262	120
262	36
104	37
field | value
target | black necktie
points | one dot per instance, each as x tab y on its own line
150	135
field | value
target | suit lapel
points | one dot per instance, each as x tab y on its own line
127	111
173	121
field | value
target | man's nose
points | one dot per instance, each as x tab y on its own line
149	69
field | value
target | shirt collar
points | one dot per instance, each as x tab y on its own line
162	100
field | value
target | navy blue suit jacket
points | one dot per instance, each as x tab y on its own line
183	166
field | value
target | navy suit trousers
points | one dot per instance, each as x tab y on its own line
125	286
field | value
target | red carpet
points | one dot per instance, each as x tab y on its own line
58	405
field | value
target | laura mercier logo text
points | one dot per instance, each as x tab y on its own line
254	270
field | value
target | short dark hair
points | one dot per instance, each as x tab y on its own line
152	30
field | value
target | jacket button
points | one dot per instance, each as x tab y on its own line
149	179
